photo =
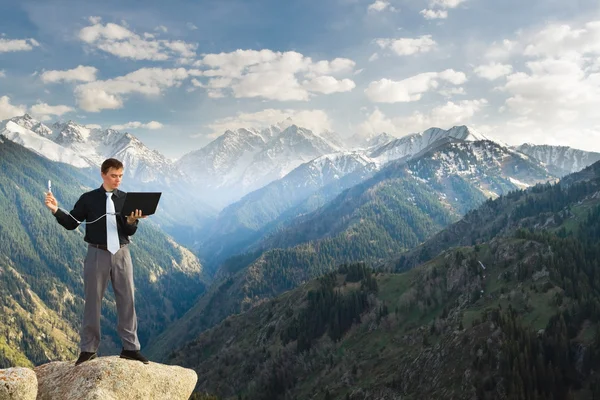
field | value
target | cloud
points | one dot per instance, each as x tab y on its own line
411	89
43	110
408	46
447	3
444	116
502	50
315	120
328	85
137	125
273	75
2	73
8	110
554	97
561	40
121	42
191	26
374	57
380	5
161	28
493	71
93	126
434	14
80	73
8	45
109	94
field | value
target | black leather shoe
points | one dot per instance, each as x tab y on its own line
134	355
85	356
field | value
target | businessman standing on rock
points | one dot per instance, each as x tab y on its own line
107	235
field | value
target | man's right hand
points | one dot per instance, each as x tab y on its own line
51	202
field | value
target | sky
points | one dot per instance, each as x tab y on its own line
178	74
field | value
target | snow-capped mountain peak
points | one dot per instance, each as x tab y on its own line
413	144
566	158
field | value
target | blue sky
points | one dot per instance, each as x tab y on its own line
177	74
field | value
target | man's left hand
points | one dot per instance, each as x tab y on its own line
135	215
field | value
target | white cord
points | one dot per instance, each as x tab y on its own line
85	222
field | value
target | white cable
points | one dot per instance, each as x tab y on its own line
85	222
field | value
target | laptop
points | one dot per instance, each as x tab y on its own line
145	201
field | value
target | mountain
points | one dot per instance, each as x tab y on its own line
310	186
459	174
398	208
566	158
513	316
41	288
239	162
87	147
302	190
413	144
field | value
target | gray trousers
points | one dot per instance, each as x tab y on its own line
100	266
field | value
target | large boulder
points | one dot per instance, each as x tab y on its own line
18	384
113	378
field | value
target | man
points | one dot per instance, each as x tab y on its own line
107	258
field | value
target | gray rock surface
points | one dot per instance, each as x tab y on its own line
18	384
113	378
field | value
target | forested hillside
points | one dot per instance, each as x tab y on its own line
513	316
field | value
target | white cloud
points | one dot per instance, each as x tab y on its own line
380	5
374	57
453	91
109	94
2	73
434	14
315	120
555	98
161	28
8	45
8	110
81	73
328	85
562	40
121	42
502	50
408	46
444	116
43	110
273	75
447	3
93	126
493	71
138	125
191	26
411	89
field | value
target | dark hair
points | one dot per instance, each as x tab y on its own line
110	163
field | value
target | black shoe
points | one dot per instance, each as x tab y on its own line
85	356
134	355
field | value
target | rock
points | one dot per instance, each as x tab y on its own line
18	384
113	378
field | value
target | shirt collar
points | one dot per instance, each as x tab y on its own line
117	193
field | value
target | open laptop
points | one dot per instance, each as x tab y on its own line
145	201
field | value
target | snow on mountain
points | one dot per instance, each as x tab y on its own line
494	168
40	144
84	147
413	144
244	160
566	158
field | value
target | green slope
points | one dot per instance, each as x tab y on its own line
523	325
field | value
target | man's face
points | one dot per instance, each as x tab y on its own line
112	179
